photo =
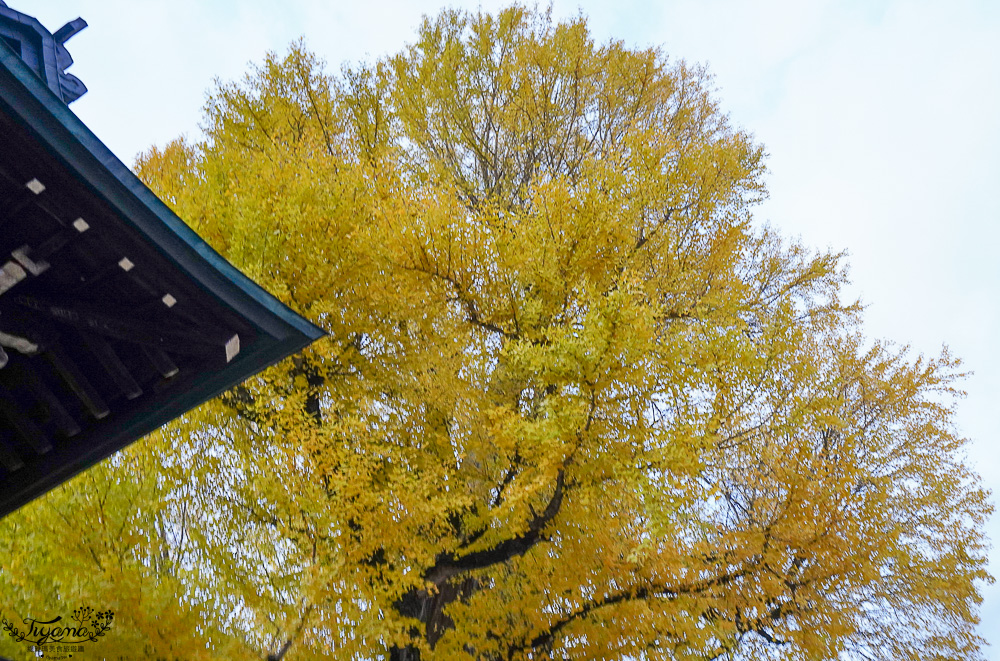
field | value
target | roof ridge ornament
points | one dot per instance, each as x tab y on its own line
43	51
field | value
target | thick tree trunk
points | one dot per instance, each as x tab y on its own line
429	610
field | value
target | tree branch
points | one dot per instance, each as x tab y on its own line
460	295
280	654
515	466
448	564
649	592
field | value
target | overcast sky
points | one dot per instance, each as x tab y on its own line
881	118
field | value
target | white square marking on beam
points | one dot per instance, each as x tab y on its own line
80	225
35	186
169	300
10	275
232	347
33	267
126	264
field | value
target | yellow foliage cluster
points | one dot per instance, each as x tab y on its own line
573	404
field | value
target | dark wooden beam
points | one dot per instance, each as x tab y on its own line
60	239
161	362
112	364
25	428
77	382
210	343
8	455
17	202
66	424
20	331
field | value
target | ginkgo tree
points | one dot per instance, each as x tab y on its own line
574	403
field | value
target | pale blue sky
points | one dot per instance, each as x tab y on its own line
881	117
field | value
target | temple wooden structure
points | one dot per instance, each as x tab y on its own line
115	317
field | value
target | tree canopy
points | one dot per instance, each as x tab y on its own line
575	402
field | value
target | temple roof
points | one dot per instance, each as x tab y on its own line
115	316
